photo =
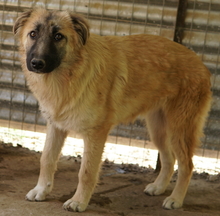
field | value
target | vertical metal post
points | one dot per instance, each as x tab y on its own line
180	21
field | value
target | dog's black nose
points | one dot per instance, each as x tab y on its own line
37	64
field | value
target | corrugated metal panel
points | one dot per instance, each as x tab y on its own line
201	34
113	17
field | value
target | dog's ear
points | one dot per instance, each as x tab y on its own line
21	21
81	27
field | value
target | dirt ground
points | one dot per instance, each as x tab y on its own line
119	192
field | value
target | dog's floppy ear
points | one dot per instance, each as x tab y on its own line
21	21
81	27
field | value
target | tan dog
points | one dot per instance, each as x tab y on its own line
90	83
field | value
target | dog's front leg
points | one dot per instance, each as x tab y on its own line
48	163
88	175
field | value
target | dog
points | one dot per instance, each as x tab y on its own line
90	83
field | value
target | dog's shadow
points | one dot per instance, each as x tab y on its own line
96	199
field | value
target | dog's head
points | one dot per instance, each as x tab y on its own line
46	37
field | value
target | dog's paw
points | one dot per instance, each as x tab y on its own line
71	205
153	189
36	194
172	203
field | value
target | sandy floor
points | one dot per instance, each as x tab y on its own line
119	192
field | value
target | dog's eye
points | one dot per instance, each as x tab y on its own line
58	37
33	34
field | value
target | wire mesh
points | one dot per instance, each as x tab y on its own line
19	109
201	35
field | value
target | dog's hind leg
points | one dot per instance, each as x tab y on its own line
184	135
185	116
94	141
48	163
181	146
157	128
185	167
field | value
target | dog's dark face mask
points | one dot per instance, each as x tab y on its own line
47	48
43	35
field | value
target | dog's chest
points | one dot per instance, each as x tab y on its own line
69	117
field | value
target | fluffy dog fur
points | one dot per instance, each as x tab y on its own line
90	83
